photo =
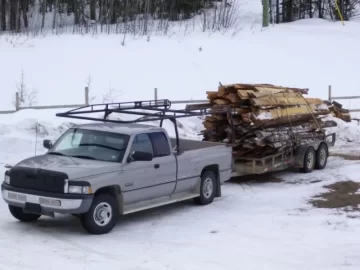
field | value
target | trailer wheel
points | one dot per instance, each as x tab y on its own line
321	157
309	160
207	188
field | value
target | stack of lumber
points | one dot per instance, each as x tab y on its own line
338	111
262	119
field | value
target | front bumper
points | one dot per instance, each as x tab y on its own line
49	202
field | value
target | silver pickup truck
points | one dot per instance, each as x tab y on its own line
100	171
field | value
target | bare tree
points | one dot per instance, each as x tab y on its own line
26	97
111	95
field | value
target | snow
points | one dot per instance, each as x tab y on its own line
322	107
253	225
184	64
257	226
264	115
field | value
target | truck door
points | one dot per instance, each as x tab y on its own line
146	180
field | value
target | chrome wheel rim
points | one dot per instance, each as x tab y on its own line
322	156
208	188
310	160
102	214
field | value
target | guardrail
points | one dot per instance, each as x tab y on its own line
331	98
18	106
86	94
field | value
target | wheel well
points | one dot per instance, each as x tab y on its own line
214	168
327	148
112	190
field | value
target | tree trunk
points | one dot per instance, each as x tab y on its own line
24	9
3	15
56	5
43	13
18	16
76	13
13	11
93	10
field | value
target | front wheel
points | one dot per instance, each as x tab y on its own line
102	215
18	213
207	188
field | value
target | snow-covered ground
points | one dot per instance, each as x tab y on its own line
253	225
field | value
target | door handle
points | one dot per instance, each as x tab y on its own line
157	166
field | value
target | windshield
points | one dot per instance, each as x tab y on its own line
91	144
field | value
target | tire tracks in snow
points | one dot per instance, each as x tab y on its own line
118	258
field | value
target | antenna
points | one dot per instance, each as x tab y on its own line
36	134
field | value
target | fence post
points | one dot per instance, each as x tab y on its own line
329	94
155	94
17	101
86	95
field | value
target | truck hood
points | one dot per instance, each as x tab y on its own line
75	168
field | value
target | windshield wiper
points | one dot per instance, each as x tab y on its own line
81	156
56	153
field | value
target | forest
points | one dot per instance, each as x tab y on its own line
144	16
292	10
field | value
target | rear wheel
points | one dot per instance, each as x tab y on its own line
102	215
321	157
309	160
207	188
18	213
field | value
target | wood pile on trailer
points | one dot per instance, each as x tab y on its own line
338	111
263	119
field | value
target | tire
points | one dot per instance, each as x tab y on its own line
321	157
207	188
18	213
104	204
309	160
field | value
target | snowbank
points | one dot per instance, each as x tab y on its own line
302	54
345	132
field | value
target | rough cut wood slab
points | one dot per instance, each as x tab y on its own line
212	95
283	101
282	112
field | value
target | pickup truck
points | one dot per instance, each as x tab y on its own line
100	171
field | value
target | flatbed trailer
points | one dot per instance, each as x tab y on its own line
306	157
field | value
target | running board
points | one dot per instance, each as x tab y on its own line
158	202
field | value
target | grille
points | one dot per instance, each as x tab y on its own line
38	179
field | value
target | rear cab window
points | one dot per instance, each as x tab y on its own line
155	143
160	144
142	143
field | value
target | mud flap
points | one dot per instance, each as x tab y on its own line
218	187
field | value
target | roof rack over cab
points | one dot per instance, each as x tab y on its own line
146	110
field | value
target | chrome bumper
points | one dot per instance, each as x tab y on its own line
49	204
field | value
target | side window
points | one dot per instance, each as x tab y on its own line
160	144
142	143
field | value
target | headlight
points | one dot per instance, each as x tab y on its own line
7	178
80	189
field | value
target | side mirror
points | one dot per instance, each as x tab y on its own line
47	144
141	156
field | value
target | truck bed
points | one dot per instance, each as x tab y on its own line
187	145
201	154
